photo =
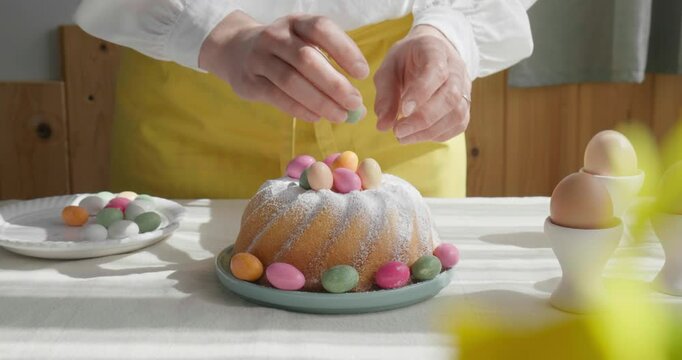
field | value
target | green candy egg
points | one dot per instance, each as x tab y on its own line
106	195
148	221
303	180
145	197
340	278
354	115
108	216
426	267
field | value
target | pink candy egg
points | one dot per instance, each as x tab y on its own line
120	203
329	160
284	276
448	255
346	181
392	275
298	164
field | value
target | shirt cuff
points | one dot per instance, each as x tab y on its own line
456	28
196	21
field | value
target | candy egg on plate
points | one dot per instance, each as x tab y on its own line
298	164
284	276
75	215
448	255
245	266
148	221
340	279
93	204
426	267
392	275
123	229
346	181
108	216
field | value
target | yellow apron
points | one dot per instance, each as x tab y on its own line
183	134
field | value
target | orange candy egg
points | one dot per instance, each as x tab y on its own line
348	160
75	215
245	266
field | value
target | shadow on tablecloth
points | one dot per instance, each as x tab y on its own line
526	239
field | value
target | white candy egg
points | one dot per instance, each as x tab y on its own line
133	210
123	229
95	232
92	204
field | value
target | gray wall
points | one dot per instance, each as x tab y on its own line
29	38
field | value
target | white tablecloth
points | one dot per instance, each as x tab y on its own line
165	301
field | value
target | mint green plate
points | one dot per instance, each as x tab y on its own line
326	303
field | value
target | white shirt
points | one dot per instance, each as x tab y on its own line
490	35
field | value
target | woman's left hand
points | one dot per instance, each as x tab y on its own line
424	81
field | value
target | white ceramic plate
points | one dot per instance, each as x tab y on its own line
35	228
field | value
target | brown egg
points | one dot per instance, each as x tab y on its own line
610	153
670	190
580	201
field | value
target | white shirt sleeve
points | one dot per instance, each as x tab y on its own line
163	29
490	35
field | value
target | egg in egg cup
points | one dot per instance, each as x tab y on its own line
583	233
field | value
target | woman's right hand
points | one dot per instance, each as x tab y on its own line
279	64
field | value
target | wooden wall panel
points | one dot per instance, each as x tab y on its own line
667	103
485	137
89	70
33	140
541	138
606	105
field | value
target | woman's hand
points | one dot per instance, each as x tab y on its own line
423	80
279	64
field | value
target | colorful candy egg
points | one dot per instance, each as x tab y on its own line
298	164
148	221
245	266
95	232
426	267
346	181
348	160
355	115
370	173
123	229
106	195
145	197
329	160
92	204
319	176
392	275
132	211
108	216
284	276
130	195
340	278
448	255
303	180
75	215
119	203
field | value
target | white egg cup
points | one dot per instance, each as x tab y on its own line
582	254
622	189
668	228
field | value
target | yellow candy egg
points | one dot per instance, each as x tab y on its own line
75	215
320	176
245	266
348	160
370	174
130	195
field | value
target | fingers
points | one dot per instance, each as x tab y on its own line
446	99
270	93
387	99
424	75
291	82
444	129
316	69
324	33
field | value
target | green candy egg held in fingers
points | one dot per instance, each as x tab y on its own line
340	278
148	221
108	216
426	267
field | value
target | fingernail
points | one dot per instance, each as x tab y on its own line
361	68
354	100
408	108
403	130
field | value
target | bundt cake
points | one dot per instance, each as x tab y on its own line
317	230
